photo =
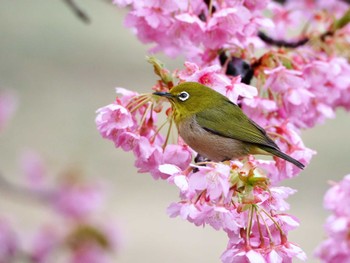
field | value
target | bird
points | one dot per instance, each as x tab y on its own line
215	127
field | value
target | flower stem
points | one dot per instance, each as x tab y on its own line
275	223
149	107
250	225
158	130
139	101
267	227
262	241
136	100
168	133
210	7
200	196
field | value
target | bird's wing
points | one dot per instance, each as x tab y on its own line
229	121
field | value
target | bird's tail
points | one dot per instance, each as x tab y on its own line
284	156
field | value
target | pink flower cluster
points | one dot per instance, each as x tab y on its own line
130	122
195	28
239	200
336	248
308	82
299	80
297	13
234	197
71	196
9	242
307	93
73	232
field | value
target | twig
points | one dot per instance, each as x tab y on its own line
22	192
282	43
78	12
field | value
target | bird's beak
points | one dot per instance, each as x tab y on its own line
163	94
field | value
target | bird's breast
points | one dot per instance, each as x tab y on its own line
208	144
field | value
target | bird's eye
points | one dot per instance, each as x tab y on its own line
183	96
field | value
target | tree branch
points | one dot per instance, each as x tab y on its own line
77	11
282	43
22	192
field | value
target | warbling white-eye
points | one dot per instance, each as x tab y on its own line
217	128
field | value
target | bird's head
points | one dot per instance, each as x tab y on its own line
189	98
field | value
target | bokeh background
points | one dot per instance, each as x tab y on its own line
62	71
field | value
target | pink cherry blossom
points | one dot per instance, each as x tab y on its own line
296	98
34	169
208	76
118	122
89	253
112	118
70	197
79	242
127	95
122	3
237	252
148	157
176	176
289	251
336	7
337	195
275	199
77	200
219	217
185	210
290	143
9	242
284	17
215	180
259	108
201	30
256	4
333	250
204	214
237	90
327	90
44	243
201	206
295	14
179	155
127	140
241	255
336	248
226	25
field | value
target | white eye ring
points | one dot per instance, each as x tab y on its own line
183	96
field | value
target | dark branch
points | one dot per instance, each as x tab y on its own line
282	2
281	43
78	12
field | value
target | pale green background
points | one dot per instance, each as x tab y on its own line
63	70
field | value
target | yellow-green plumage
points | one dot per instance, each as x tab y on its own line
215	127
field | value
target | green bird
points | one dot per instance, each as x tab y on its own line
215	127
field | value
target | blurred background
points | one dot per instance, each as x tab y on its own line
62	71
